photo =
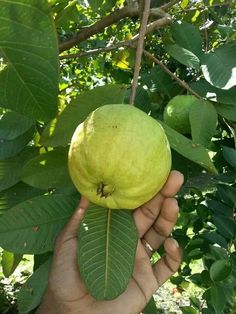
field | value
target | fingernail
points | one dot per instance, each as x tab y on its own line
176	243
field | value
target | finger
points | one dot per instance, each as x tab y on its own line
71	228
146	214
173	184
84	202
169	263
163	226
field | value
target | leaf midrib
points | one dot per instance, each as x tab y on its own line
106	249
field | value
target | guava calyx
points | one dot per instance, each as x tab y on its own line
104	190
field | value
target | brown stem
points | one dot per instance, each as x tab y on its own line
169	5
150	28
178	80
139	50
99	26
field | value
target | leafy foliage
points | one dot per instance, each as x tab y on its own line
40	109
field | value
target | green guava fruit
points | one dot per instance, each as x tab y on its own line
119	157
176	113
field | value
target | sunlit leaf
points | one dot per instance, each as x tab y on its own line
29	58
9	262
219	67
60	130
187	36
48	170
183	55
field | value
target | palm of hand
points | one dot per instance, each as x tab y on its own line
154	221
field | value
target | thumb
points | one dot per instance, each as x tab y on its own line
71	228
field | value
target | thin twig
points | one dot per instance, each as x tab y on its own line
139	50
169	5
206	33
94	51
150	28
97	27
133	46
114	17
206	7
178	80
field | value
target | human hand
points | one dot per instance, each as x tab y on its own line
154	220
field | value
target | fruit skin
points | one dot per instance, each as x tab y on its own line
119	157
176	113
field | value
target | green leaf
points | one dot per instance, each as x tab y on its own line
31	227
195	254
16	194
219	67
221	96
13	124
106	251
226	226
183	55
229	155
220	270
151	307
68	14
159	81
187	36
217	253
188	310
195	302
31	293
215	238
203	120
227	194
40	259
48	170
142	100
184	3
227	111
220	208
218	299
60	130
188	149
10	169
95	4
10	148
28	48
9	262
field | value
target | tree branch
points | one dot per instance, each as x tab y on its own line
139	50
178	80
99	26
127	11
150	28
168	5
